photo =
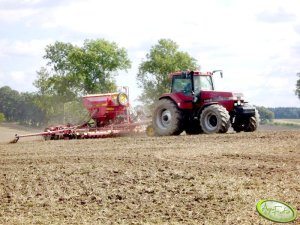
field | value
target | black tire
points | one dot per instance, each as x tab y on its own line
238	127
215	119
193	128
248	125
167	118
253	123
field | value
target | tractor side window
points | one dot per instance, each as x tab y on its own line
183	85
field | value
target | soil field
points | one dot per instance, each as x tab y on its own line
203	179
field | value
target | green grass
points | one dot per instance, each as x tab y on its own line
287	122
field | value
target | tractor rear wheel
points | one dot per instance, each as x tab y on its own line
167	118
215	119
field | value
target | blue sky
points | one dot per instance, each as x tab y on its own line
256	43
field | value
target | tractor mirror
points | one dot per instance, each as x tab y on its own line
221	72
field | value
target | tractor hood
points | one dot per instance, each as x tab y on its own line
216	96
226	99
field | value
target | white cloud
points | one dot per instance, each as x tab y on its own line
33	2
16	3
33	47
18	77
279	16
1	78
20	80
130	22
15	15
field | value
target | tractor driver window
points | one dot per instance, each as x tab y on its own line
183	85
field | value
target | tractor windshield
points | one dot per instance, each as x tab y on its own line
183	84
203	83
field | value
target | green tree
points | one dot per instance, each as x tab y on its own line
2	117
29	113
20	107
298	86
9	101
75	112
266	115
162	59
51	96
72	71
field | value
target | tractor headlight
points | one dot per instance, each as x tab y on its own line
122	99
238	97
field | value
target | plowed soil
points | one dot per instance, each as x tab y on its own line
202	179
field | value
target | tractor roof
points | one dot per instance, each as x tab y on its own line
196	73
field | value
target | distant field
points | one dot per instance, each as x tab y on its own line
288	122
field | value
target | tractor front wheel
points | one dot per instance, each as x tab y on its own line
215	119
253	123
237	127
167	118
248	125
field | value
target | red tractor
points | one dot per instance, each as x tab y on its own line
195	107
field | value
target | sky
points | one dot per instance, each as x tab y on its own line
256	43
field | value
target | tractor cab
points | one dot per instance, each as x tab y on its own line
191	83
190	89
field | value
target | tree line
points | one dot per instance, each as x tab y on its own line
20	107
267	115
73	71
286	112
28	109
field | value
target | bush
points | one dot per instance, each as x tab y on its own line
266	116
2	117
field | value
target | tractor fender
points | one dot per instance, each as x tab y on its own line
169	98
199	111
181	103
